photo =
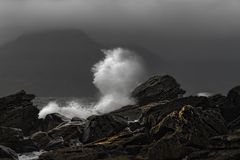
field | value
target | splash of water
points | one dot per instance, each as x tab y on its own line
115	77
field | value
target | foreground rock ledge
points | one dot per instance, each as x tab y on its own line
163	125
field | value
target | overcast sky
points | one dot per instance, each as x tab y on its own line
100	17
198	39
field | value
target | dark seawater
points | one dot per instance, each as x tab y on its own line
40	102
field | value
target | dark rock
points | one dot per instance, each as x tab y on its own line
224	147
122	145
55	143
7	153
68	131
102	126
153	113
77	119
157	88
13	138
232	154
235	124
234	95
181	132
49	122
134	126
130	112
77	153
41	139
231	107
18	111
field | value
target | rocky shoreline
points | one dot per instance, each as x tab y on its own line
163	125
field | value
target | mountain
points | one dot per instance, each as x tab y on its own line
50	63
56	63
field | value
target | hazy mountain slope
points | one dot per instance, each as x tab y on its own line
56	63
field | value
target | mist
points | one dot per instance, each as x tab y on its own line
115	77
100	17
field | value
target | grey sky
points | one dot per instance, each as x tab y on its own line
197	39
151	16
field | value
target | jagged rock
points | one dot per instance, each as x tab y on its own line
18	111
13	138
234	95
235	124
181	132
41	139
153	113
157	88
77	153
98	127
231	107
130	112
68	131
49	122
124	144
7	153
55	143
224	147
77	119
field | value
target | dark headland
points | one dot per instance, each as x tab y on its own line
163	125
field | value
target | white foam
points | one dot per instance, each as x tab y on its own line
115	77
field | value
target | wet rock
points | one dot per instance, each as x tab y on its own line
231	107
235	124
7	153
184	131
153	113
49	122
234	95
130	112
68	131
223	147
77	119
78	153
55	143
157	88
41	139
13	138
18	111
98	127
124	144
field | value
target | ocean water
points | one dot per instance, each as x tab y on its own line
41	102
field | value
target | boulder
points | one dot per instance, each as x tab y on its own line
78	153
98	127
184	131
7	153
68	131
124	144
18	111
223	147
13	138
157	88
41	139
153	113
55	143
49	122
234	95
231	107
